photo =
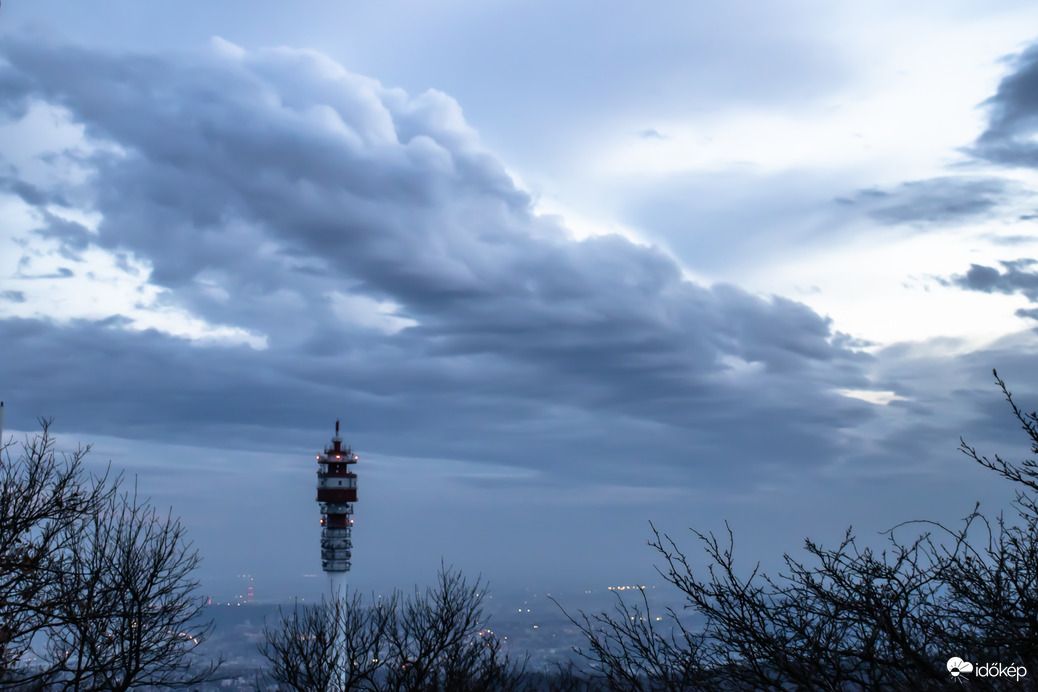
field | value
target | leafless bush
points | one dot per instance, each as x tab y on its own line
432	641
845	617
96	588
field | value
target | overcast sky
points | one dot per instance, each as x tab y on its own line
559	270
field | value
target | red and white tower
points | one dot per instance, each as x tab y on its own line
336	491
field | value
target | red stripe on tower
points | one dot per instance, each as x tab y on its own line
336	493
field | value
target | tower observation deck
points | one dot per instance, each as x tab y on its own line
336	493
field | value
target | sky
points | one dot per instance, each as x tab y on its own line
561	271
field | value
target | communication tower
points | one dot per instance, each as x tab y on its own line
336	493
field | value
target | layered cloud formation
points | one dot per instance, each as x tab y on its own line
381	261
231	247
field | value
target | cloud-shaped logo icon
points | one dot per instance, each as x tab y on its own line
956	666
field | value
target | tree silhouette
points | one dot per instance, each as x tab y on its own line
846	617
431	641
338	644
96	588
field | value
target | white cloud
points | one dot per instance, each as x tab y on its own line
882	286
362	311
880	398
101	284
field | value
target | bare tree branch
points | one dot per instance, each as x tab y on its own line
844	617
429	641
96	587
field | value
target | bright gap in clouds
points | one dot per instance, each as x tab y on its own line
110	287
60	283
917	104
579	223
913	103
906	127
884	287
880	398
96	285
367	312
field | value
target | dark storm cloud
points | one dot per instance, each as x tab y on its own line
991	420
148	385
73	237
265	187
1013	115
31	194
935	201
1014	279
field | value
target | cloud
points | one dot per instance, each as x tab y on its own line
1009	139
402	280
652	133
1013	239
1013	115
148	385
60	273
13	296
1015	279
73	237
395	271
1031	313
936	201
31	194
